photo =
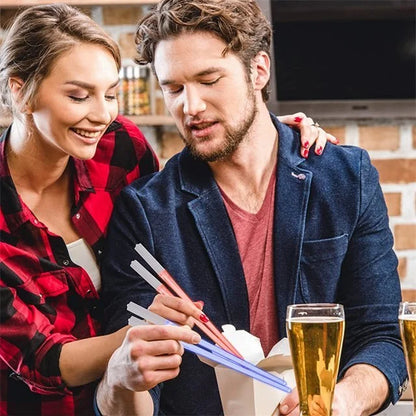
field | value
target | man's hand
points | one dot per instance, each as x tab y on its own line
289	406
177	310
361	392
310	133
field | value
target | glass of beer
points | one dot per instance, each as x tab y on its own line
407	321
315	333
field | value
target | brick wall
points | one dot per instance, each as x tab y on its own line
392	148
391	143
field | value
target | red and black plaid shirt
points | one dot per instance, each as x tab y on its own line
45	299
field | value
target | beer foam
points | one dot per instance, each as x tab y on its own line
407	317
315	319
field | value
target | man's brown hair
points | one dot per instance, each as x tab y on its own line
239	23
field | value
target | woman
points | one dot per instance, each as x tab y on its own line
63	161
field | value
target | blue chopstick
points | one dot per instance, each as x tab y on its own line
261	375
240	362
212	352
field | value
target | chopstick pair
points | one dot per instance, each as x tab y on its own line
210	351
171	288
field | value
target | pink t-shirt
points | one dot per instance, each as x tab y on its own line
254	234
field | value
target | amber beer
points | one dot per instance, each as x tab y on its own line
407	320
315	343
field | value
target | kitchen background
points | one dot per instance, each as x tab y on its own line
391	142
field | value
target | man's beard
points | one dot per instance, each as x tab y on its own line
233	135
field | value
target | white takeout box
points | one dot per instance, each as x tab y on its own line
240	394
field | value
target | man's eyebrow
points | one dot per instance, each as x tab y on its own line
88	86
207	71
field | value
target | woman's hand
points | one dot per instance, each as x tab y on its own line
149	355
310	133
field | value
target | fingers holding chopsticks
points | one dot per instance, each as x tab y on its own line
177	310
149	355
168	287
158	347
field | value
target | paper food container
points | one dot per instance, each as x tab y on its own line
242	395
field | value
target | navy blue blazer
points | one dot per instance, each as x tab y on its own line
332	243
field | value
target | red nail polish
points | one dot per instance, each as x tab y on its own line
298	119
305	153
319	150
306	145
203	318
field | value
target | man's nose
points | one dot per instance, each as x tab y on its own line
193	103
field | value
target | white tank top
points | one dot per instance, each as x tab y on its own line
82	255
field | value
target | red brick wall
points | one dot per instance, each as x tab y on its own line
392	148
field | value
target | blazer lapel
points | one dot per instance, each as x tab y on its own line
215	230
292	194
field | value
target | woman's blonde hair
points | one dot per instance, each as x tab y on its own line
38	36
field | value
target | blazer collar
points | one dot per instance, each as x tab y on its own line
195	176
289	143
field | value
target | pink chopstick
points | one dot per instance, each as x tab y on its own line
204	323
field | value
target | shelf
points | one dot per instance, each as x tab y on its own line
18	3
151	120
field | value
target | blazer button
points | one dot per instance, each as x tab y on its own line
403	387
300	176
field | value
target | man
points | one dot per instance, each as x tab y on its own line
247	225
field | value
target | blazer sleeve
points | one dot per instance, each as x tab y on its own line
120	283
370	288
